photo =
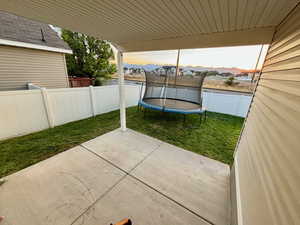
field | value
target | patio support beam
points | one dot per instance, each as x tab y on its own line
121	91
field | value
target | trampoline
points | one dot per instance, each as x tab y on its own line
167	92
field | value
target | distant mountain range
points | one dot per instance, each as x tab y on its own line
150	67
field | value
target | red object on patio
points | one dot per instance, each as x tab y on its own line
80	81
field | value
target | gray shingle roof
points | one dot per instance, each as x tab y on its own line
16	28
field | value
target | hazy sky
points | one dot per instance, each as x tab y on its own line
244	57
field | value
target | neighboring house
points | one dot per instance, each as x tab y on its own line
31	52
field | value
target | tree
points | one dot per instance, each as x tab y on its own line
91	57
201	73
230	81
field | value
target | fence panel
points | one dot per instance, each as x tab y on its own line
21	112
233	104
70	104
132	95
106	98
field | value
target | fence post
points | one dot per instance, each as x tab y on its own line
92	98
48	109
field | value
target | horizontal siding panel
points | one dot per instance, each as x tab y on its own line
250	186
292	75
279	190
285	55
262	167
291	63
288	43
279	109
286	29
268	153
290	87
19	66
282	101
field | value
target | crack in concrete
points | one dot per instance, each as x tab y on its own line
139	180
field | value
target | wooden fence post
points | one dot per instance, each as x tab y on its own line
48	109
92	98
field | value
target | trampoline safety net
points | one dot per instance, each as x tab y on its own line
165	89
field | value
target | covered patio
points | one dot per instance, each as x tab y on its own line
126	174
118	175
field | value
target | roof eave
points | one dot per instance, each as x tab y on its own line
220	39
34	46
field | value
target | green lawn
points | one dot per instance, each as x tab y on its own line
215	139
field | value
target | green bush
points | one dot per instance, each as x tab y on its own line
229	81
98	82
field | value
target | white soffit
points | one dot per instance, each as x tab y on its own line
141	25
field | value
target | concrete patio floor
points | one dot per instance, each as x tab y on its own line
119	175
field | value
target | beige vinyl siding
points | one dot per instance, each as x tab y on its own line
19	66
268	154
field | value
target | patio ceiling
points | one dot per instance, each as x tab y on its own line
162	24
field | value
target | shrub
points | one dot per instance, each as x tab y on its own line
229	81
98	82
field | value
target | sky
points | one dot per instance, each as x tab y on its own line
243	57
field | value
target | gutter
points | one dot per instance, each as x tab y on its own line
34	46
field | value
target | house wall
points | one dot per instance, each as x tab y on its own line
267	160
19	66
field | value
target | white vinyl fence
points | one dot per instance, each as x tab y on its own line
24	112
231	103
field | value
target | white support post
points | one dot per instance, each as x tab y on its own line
121	91
47	107
92	98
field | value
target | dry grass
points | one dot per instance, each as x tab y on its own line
210	84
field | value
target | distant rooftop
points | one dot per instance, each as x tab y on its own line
20	29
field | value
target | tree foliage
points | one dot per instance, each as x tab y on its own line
230	81
91	57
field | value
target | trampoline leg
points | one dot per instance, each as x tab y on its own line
184	118
205	115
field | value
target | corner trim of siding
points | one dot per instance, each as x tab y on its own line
34	46
66	70
238	193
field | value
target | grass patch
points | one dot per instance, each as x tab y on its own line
215	139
